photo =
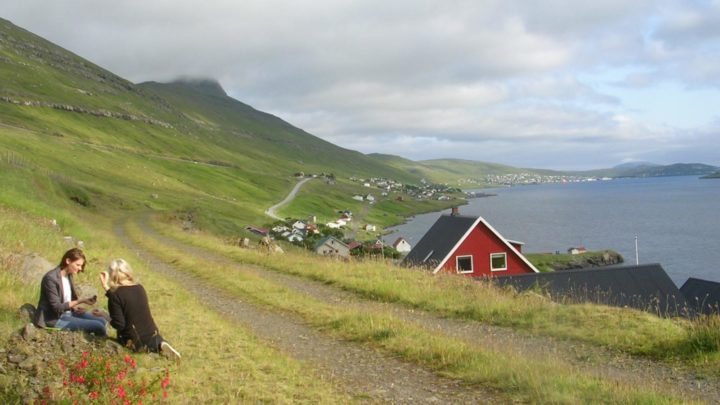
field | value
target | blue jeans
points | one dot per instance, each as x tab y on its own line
85	321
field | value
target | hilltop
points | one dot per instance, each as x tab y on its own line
185	146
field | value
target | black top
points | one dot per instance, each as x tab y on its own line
130	316
646	287
51	304
702	295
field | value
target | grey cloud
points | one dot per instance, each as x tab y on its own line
502	78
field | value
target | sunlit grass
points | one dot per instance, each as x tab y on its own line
542	380
622	329
222	361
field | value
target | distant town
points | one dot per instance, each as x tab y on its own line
534	178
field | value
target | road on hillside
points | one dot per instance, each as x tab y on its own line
271	211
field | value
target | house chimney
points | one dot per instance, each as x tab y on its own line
455	211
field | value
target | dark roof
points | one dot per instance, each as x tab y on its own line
646	287
702	295
437	242
330	240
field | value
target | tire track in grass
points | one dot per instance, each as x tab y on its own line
364	373
585	358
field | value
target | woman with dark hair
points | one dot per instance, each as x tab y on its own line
59	305
130	311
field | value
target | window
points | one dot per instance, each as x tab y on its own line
498	261
463	264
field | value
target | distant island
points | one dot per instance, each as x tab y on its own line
715	175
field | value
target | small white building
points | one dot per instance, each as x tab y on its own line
401	245
358	198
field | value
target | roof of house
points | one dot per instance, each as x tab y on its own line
446	234
646	287
398	241
257	229
333	240
702	295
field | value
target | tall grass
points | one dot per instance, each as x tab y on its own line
520	378
628	330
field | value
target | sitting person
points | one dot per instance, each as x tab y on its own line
129	311
59	304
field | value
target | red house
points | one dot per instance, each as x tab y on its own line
469	246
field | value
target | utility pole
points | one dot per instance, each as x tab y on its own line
637	256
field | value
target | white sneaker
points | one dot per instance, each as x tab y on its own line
169	352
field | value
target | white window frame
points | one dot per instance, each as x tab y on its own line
494	255
457	267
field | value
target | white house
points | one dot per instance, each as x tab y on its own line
401	245
358	198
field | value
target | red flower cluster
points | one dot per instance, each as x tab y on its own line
106	379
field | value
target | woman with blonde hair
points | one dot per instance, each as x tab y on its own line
130	311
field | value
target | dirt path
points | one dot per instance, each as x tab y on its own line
581	357
271	211
362	372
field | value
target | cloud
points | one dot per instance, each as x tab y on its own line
525	82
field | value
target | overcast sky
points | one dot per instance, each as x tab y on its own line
544	84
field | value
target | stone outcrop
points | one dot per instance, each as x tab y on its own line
588	260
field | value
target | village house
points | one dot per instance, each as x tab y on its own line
370	228
257	230
358	198
703	296
645	287
331	246
401	245
469	246
577	250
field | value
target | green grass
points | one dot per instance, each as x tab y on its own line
546	261
517	377
325	201
627	330
247	370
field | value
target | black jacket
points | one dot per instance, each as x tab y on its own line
130	316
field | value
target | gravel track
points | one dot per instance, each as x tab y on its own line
583	358
366	374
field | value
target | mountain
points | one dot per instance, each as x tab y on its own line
74	134
653	170
464	173
634	165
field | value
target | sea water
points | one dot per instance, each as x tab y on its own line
676	220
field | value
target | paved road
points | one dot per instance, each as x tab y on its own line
271	211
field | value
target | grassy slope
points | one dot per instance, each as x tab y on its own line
213	156
452	171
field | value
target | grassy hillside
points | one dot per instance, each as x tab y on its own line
74	134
